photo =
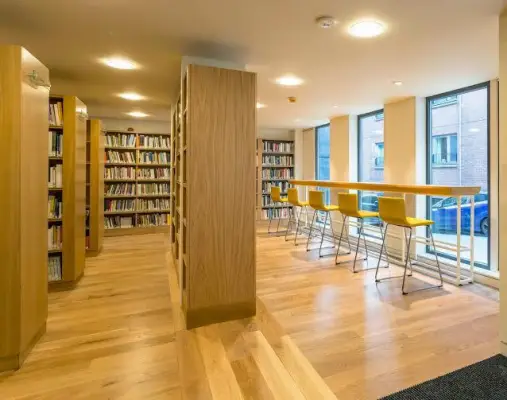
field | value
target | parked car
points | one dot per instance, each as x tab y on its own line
444	213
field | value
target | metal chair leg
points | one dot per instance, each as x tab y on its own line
406	263
279	216
289	223
297	226
384	235
323	233
409	257
270	210
344	221
332	229
310	234
358	244
436	257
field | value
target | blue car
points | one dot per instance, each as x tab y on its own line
444	214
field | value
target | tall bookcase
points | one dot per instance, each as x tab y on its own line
137	178
24	98
94	187
67	190
275	167
213	226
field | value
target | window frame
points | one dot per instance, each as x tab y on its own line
447	137
429	164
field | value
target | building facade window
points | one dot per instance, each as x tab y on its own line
322	154
370	161
458	154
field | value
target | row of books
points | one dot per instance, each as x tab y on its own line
152	204
54	268
147	220
278	173
55	237
278	147
267	202
150	157
153	173
55	176
119	173
275	213
113	156
153	188
152	220
159	142
120	205
55	206
56	114
278	160
266	186
120	189
118	221
120	140
55	144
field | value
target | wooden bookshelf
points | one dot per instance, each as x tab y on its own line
72	194
213	194
275	166
24	98
95	187
156	220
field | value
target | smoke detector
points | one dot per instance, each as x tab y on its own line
325	21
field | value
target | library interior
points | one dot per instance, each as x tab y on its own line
213	199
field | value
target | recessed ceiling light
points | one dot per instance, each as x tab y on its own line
397	83
260	105
131	96
366	29
137	114
474	130
335	106
325	22
289	80
119	63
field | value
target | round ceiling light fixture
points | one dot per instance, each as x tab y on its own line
289	80
260	105
397	83
137	114
119	63
366	28
325	21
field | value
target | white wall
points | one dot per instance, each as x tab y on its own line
275	134
138	125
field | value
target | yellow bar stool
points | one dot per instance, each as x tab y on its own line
392	211
276	198
316	201
296	203
349	208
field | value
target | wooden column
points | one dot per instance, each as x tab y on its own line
24	99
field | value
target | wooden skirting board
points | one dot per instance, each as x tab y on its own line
136	231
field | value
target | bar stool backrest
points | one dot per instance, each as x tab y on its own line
316	200
348	204
293	196
276	194
392	210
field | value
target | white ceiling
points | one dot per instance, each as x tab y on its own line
432	46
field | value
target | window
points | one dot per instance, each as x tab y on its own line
322	156
444	149
458	154
370	160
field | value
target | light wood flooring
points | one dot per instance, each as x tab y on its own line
321	332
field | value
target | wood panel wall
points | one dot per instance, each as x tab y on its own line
221	129
23	203
96	220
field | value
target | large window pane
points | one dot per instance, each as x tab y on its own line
458	155
322	156
371	160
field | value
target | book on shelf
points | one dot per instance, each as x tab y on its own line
114	156
119	205
115	222
277	160
147	220
55	144
120	140
153	173
55	206
119	173
151	157
156	142
55	176
120	189
152	188
278	173
152	204
266	186
278	147
56	114
55	237
54	268
275	213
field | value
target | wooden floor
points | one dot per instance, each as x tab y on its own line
321	332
